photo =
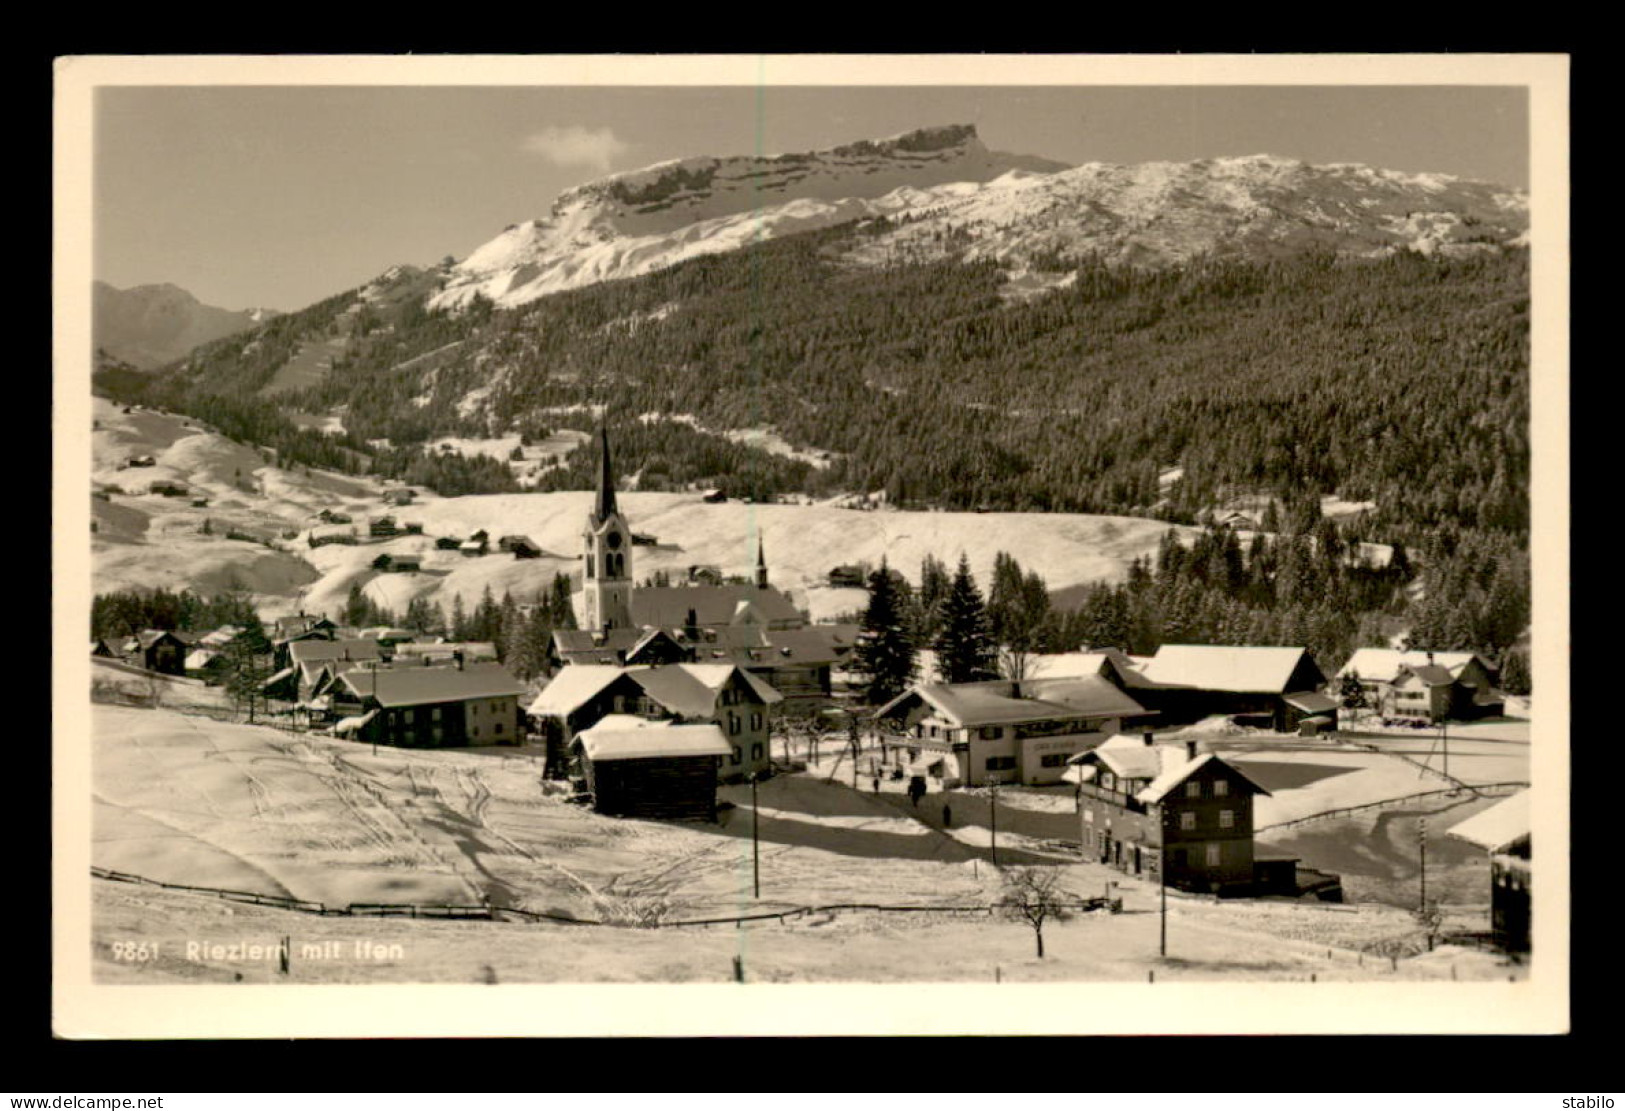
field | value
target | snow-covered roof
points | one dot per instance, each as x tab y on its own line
1381	665
1226	667
311	651
573	687
1311	702
417	686
617	740
1430	674
347	725
1001	701
1499	827
199	659
278	677
1175	773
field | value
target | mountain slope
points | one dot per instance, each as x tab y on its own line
941	193
150	325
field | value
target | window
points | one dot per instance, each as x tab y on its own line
755	721
475	707
1213	849
1187	820
737	756
499	729
1001	763
756	752
1221	788
435	714
1089	815
733	725
989	733
1108	780
1193	790
1227	819
1054	760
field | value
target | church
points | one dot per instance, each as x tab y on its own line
750	624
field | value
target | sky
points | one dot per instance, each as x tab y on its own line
278	196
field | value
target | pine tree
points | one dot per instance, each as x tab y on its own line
885	649
459	620
246	672
965	649
357	607
561	610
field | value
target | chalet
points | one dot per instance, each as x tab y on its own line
846	575
142	461
103	649
1310	713
626	647
168	489
521	547
312	658
282	685
402	496
635	767
1504	832
476	545
200	502
713	497
1004	731
723	695
333	517
1140	802
1422	685
447	543
1187	682
291	630
429	707
382	527
162	650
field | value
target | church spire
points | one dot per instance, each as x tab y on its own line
761	562
604	506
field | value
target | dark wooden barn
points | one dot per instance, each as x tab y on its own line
637	768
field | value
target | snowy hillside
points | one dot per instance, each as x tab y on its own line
959	198
145	539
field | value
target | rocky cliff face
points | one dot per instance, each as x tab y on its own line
941	192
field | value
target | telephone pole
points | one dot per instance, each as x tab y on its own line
993	817
1422	842
755	842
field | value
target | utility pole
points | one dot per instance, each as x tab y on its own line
1422	842
1444	739
993	817
1162	877
755	842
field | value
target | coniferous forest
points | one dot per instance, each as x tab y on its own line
1402	381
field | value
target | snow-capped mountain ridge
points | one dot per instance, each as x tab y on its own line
963	199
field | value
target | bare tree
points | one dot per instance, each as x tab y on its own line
1034	896
1015	660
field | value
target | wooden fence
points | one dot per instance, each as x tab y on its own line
505	914
1481	790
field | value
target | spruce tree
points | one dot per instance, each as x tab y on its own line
885	650
965	649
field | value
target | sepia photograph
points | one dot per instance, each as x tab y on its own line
933	544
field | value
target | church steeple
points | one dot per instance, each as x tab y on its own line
606	554
604	505
761	563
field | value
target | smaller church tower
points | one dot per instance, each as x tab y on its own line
606	554
761	564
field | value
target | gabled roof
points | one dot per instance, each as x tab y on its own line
1433	676
471	649
1311	702
315	651
415	686
712	605
1173	776
1226	667
148	637
1499	827
615	739
713	676
998	701
573	688
1381	665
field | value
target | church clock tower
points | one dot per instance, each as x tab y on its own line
606	554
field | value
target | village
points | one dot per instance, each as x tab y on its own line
680	720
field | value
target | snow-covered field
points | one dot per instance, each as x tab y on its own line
148	540
188	800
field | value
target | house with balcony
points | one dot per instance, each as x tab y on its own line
1145	807
1007	731
1434	685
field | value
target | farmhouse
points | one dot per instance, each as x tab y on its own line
409	653
635	767
476	545
398	564
1470	692
162	650
1192	681
380	527
429	707
1141	802
101	648
521	547
1504	831
208	664
1006	731
402	496
724	695
312	658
